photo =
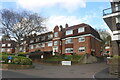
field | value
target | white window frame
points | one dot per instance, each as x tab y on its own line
31	46
81	29
43	38
8	50
50	43
50	36
56	34
20	49
37	39
2	49
69	32
31	41
68	41
42	44
82	49
9	45
55	43
69	50
81	39
3	45
37	46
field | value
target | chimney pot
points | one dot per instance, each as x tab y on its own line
66	25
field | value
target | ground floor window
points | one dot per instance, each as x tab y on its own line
8	50
31	46
2	50
81	49
69	50
50	43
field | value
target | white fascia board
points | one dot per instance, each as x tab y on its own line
82	36
116	32
111	15
114	0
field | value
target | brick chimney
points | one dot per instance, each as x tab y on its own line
61	28
66	25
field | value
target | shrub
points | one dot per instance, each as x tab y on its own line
25	61
21	53
68	57
16	60
5	58
116	57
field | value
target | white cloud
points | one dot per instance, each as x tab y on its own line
38	4
70	20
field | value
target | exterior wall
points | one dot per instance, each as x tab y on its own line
89	34
11	48
90	44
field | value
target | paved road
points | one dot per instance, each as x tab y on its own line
50	71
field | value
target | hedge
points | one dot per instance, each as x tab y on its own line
16	60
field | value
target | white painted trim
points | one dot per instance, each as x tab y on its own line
115	32
82	36
56	38
111	15
114	0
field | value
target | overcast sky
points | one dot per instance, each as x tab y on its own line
60	12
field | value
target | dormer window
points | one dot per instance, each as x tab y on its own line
3	45
81	29
56	34
69	32
9	45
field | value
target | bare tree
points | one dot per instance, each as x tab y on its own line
105	36
19	24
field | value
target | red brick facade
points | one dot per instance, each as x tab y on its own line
7	46
79	39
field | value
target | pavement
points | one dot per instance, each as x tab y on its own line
104	74
93	71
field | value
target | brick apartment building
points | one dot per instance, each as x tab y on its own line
7	46
79	39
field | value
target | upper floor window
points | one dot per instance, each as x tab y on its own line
56	34
81	39
37	45
69	32
31	41
42	45
50	43
81	29
31	47
24	42
69	50
37	39
55	42
81	49
70	40
43	38
9	45
3	45
50	36
20	49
